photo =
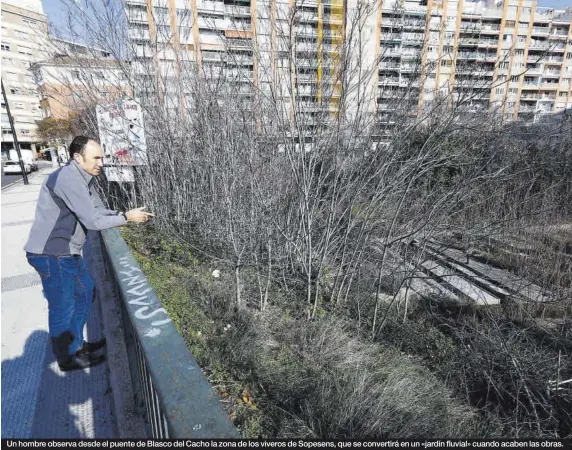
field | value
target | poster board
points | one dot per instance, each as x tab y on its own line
122	137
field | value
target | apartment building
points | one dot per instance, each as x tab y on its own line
507	57
24	27
76	77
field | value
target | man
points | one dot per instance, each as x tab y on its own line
67	207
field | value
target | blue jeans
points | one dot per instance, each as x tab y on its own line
68	287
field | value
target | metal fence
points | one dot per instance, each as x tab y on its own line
171	392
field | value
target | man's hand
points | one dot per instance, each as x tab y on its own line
137	215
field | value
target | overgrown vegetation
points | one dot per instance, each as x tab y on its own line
281	376
445	371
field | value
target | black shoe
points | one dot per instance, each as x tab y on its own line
90	347
80	361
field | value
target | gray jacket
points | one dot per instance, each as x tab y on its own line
68	206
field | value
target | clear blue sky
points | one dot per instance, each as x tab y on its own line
560	4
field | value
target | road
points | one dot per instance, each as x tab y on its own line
7	179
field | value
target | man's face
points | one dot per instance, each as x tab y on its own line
92	159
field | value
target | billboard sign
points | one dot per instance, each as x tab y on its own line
121	133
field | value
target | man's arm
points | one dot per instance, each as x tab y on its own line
76	196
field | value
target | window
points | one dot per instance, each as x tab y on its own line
513	91
445	63
514	78
499	91
99	75
510	104
569	55
18	105
5	47
25	132
15	91
29	21
75	74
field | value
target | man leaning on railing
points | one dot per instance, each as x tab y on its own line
67	207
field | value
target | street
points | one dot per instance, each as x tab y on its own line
7	179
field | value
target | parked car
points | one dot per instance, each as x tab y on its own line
28	156
14	167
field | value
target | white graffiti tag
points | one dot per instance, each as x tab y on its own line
137	295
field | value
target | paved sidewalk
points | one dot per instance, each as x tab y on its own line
38	400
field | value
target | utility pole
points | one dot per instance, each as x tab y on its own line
16	144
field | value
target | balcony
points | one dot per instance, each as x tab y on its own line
490	28
138	34
548	86
526	110
559	35
554	60
390	53
463	42
551	74
467	55
388	67
538	45
414	24
534	71
540	31
390	37
488	43
307	16
493	13
387	81
237	11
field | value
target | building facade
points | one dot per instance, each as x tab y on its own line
24	28
75	78
507	57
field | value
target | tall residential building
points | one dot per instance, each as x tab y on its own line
24	27
507	57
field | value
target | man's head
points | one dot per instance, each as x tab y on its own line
88	154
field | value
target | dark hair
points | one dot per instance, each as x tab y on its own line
78	145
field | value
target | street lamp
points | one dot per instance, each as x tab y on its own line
16	143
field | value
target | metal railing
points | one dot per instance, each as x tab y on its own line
171	392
